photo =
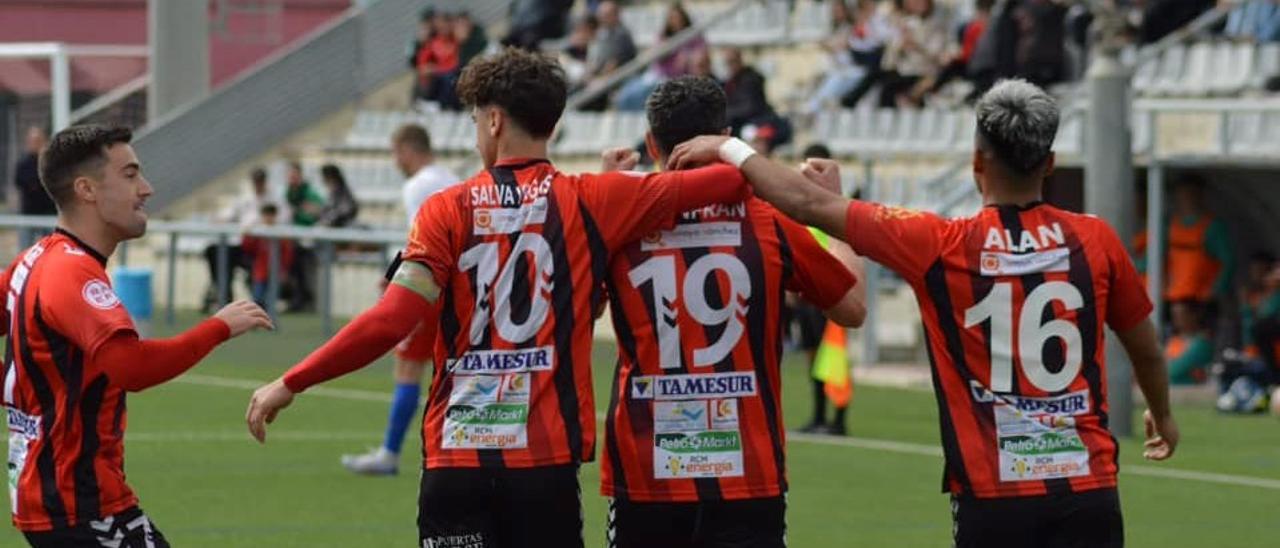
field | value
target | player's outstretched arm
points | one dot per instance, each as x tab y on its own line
851	311
409	299
1153	379
785	188
135	364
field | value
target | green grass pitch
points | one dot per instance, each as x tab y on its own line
205	483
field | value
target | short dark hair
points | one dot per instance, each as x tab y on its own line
530	87
413	135
73	152
816	150
684	108
268	209
258	175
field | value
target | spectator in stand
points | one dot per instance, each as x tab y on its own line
872	31
842	73
245	211
260	250
32	198
306	205
612	48
1255	20
471	39
919	50
678	63
700	65
1042	46
302	199
1199	255
1189	351
575	53
436	61
958	67
749	114
533	21
1161	17
341	209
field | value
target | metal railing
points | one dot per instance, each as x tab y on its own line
325	240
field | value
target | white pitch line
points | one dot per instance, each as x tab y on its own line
858	443
244	436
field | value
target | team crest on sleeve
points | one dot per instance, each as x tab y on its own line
885	213
99	295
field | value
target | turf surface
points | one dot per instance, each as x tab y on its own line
205	482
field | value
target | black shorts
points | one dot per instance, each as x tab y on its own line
500	508
1070	520
810	322
751	523
128	529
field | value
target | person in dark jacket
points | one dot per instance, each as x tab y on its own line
341	209
32	198
748	106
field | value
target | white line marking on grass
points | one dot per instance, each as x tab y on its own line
250	384
245	437
858	443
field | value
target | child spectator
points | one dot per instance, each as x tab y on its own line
259	249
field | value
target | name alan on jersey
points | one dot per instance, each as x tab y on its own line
495	195
1044	237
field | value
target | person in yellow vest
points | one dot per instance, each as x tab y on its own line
1199	259
826	347
1189	351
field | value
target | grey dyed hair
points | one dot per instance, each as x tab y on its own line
1017	121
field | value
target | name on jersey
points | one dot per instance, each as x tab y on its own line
496	220
1072	403
1044	237
20	273
23	424
693	387
541	358
710	234
494	195
716	211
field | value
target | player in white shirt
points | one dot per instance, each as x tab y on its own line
411	146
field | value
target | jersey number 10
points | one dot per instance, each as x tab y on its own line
484	258
997	307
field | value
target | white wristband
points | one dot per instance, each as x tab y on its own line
736	152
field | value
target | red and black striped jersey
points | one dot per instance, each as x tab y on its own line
694	413
66	420
1014	301
520	252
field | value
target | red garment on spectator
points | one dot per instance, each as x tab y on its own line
972	33
260	250
441	52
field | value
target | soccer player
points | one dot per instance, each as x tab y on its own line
509	265
694	440
73	351
1014	300
411	146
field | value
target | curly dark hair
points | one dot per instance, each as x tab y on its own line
530	87
73	152
684	108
